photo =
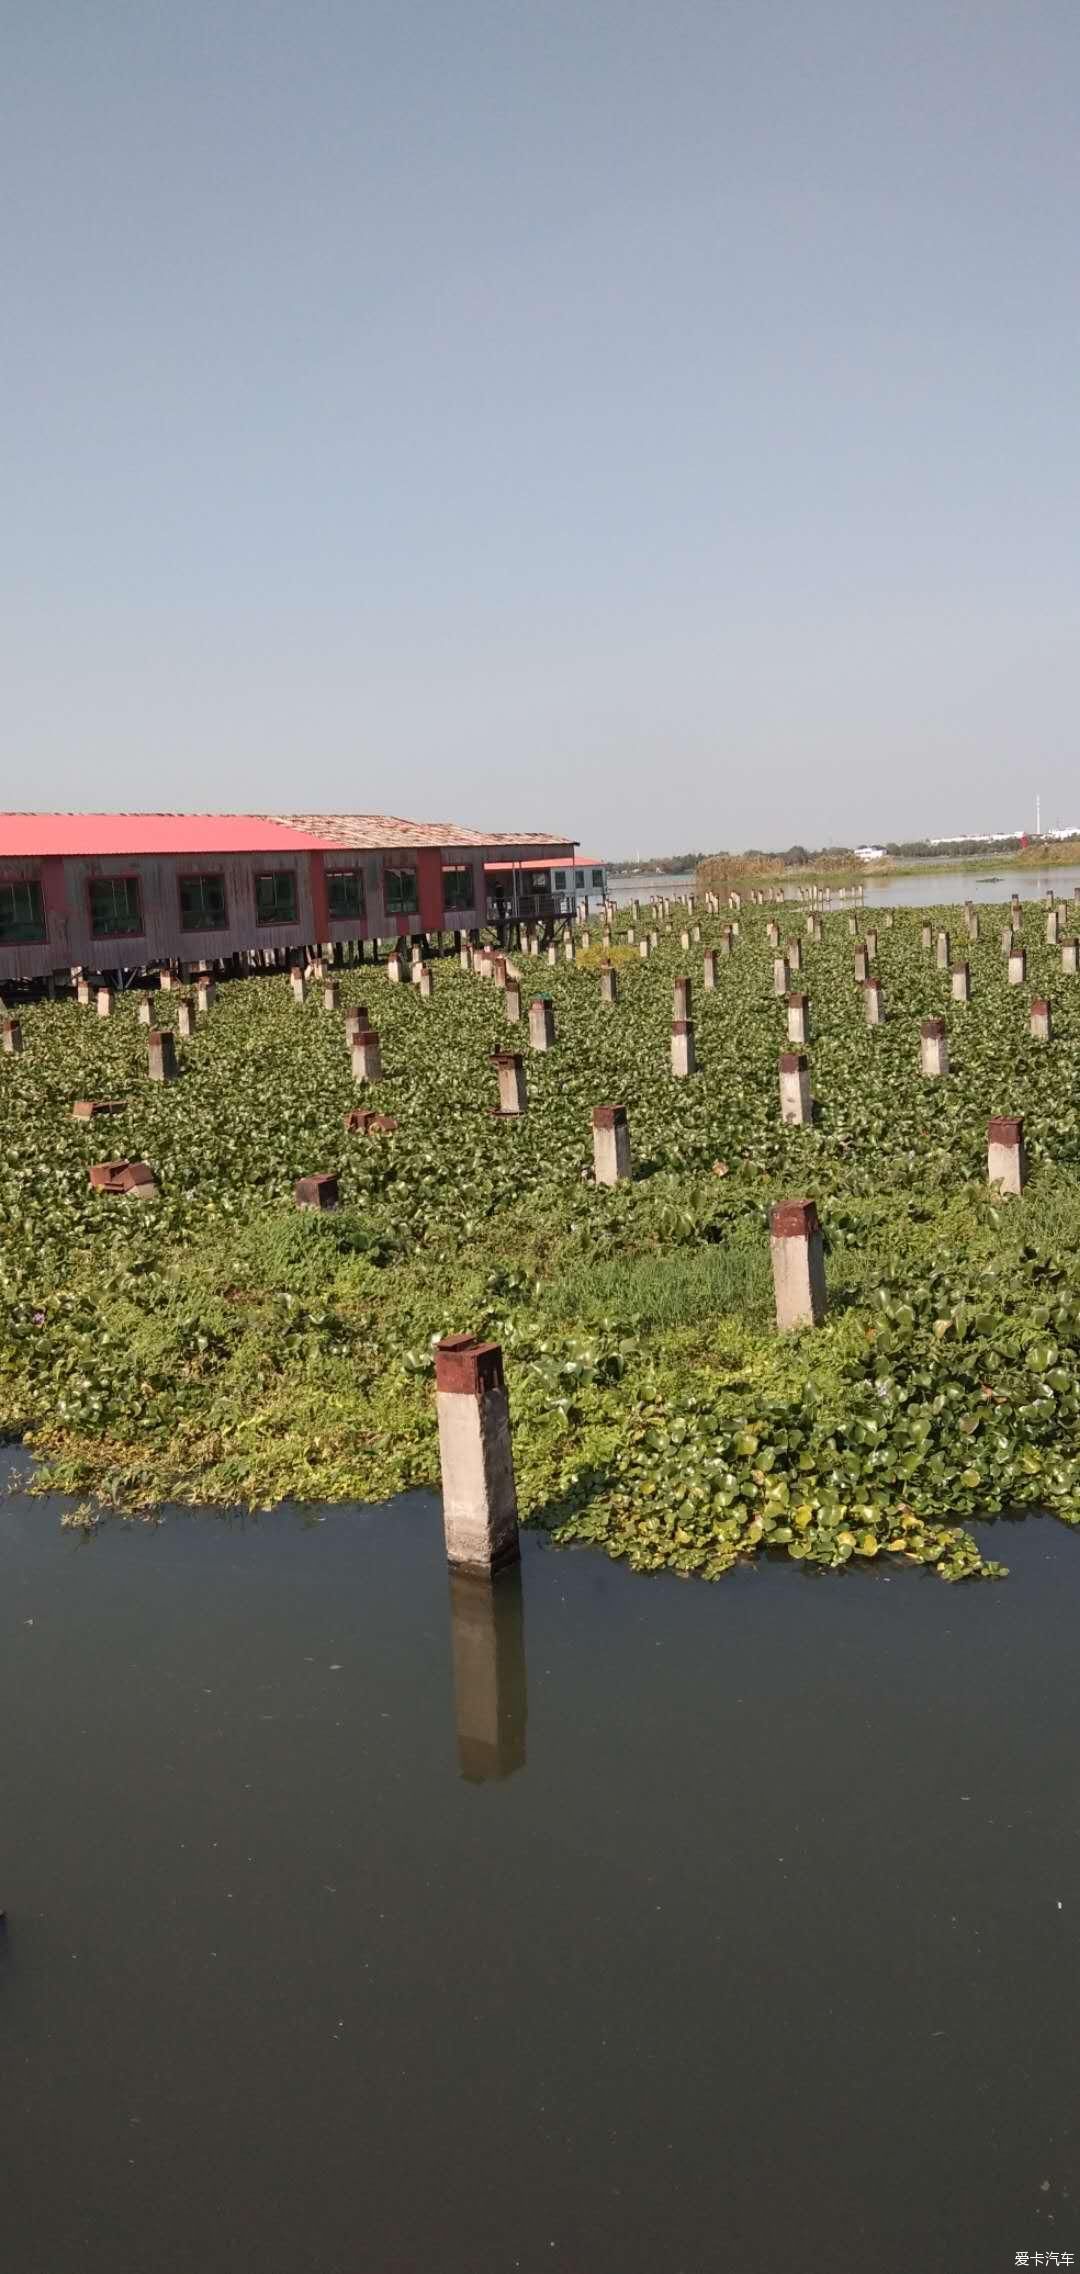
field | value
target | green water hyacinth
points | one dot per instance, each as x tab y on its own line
213	1346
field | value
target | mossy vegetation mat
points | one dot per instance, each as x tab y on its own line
215	1346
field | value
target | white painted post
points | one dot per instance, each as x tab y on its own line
934	1049
366	1056
798	1264
104	1002
475	1453
1006	1158
1017	967
611	1144
511	1073
162	1055
961	983
796	1103
943	951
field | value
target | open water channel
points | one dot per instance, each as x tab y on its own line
933	887
632	1925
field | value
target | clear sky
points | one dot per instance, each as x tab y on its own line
653	419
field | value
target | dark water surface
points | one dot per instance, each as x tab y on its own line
715	1927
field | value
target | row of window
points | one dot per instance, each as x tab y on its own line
115	902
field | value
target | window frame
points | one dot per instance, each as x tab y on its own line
201	877
464	870
347	915
558	880
394	869
133	885
598	880
21	937
271	923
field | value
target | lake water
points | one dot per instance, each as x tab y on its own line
935	887
702	1928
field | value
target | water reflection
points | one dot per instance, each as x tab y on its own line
487	1622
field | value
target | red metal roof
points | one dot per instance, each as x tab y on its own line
39	835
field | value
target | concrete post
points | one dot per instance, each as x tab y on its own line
872	1002
724	946
318	1192
83	990
166	980
781	976
206	995
609	984
796	1103
479	1495
425	982
552	954
541	1023
1052	928
1017	967
695	934
684	939
793	952
683	1052
871	946
682	1006
162	1052
465	955
643	950
798	1264
654	941
1006	1158
611	1144
104	1002
11	1035
927	935
853	927
185	1020
943	951
798	1019
709	970
331	996
367	1056
1041	1023
961	983
934	1047
511	1073
395	969
1069	951
1008	939
973	924
860	966
512	1002
772	934
570	952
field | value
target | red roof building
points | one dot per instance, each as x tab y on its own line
122	890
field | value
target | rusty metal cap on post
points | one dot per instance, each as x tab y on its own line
933	1029
1041	1007
506	1058
467	1365
609	1117
1005	1129
794	1220
793	1061
798	1002
682	1026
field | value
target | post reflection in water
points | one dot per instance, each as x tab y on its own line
487	1622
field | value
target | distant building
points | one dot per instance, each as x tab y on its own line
870	853
120	891
535	888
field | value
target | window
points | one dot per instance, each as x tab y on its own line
345	892
579	880
399	886
202	903
598	880
115	909
22	911
558	881
458	888
275	897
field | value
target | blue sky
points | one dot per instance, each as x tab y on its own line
657	422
